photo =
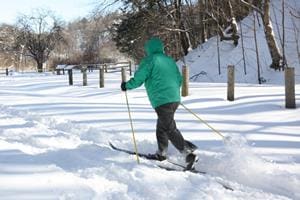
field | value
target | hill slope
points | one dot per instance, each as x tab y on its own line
204	59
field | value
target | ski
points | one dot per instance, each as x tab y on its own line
143	155
192	171
182	168
148	157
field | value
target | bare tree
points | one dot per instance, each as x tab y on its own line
297	36
181	24
221	12
256	48
264	11
231	32
242	42
39	34
285	64
183	35
202	4
88	40
9	53
270	37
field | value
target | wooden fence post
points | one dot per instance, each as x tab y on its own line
70	72
290	101
185	81
130	70
230	83
123	70
84	76
101	76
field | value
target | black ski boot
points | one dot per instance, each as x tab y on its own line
191	160
156	156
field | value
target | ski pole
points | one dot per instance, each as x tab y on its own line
212	128
132	130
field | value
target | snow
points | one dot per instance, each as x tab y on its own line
60	66
54	137
54	141
204	59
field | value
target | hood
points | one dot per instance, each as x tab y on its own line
154	45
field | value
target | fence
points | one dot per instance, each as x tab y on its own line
103	68
289	75
5	71
290	97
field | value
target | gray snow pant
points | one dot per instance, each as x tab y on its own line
166	130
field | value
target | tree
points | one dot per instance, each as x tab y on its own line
87	41
136	25
181	24
145	18
39	34
9	53
277	63
263	7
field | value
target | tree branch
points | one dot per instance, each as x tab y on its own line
249	5
294	15
176	30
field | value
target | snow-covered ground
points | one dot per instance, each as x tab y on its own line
54	137
54	142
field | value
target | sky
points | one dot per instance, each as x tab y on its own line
68	10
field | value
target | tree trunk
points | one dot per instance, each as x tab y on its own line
203	18
233	25
270	38
243	46
297	36
256	50
184	40
203	28
39	66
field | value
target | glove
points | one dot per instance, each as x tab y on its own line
123	86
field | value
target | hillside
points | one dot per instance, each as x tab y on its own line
204	59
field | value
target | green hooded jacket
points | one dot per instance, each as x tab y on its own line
160	74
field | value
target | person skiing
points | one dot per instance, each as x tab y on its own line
162	80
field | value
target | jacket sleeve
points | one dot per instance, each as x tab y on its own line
140	75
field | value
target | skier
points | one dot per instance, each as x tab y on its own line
162	80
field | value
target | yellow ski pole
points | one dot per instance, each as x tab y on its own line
132	130
212	128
